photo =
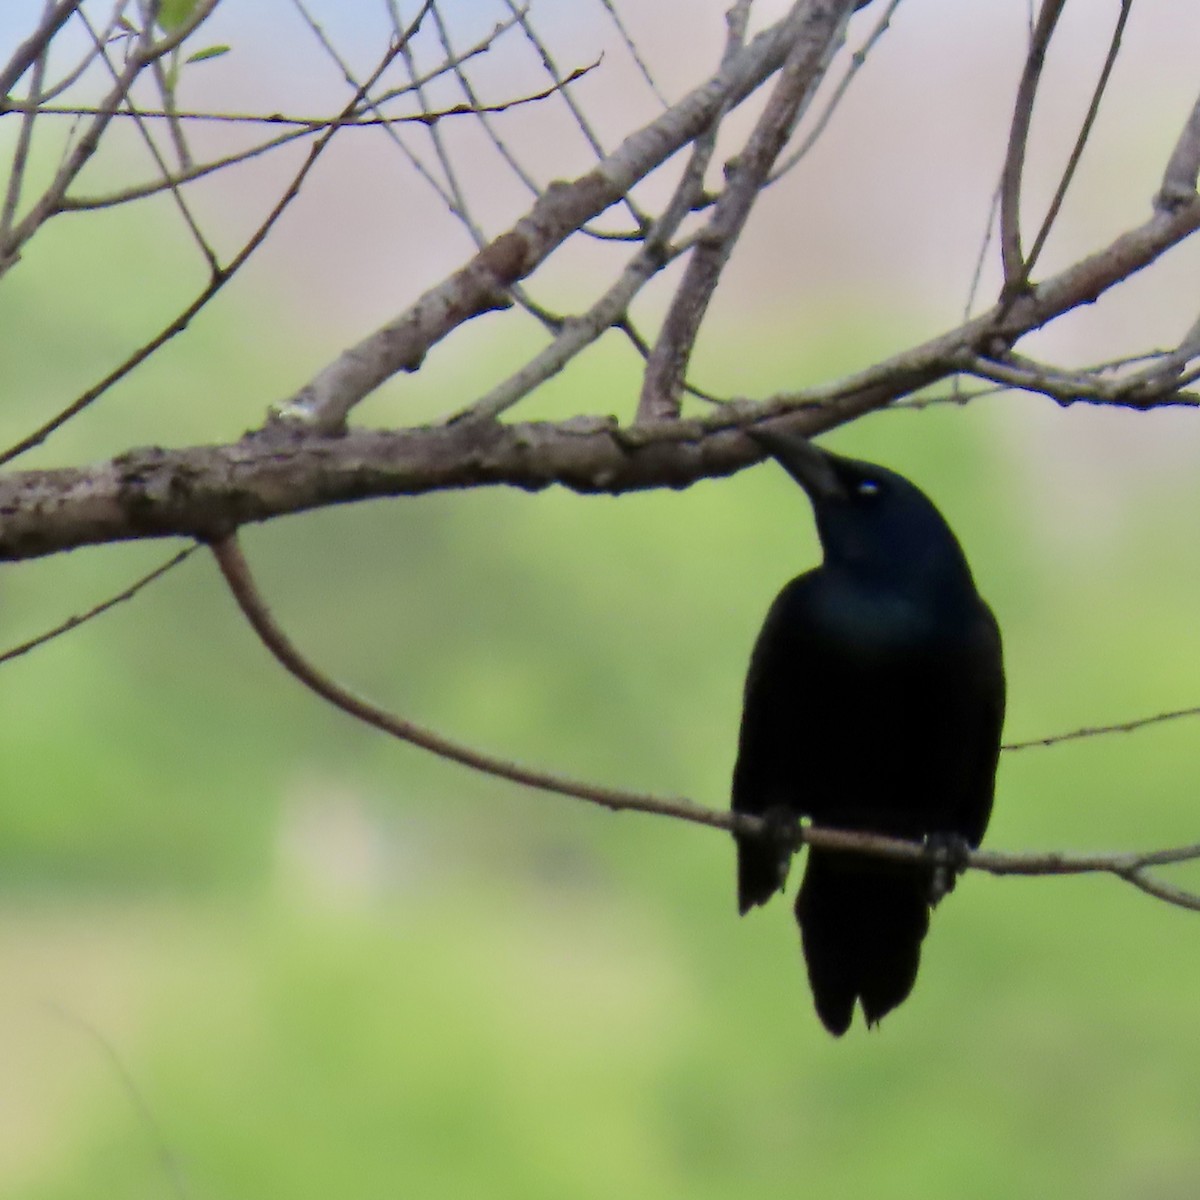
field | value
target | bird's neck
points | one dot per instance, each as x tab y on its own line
942	588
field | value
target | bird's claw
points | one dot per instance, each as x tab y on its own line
783	832
948	854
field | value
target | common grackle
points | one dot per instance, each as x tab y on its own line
874	701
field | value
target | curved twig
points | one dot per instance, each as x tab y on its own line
1130	867
1011	253
236	572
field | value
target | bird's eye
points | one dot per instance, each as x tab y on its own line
868	487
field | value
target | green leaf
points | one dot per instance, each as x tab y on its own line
174	13
207	52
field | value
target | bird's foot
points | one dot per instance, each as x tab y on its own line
783	833
948	855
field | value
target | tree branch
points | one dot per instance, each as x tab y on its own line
30	50
237	575
1130	867
205	491
483	284
98	609
1011	254
651	257
1081	141
1179	178
1091	731
219	278
815	40
144	54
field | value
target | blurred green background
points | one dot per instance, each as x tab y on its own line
248	948
311	961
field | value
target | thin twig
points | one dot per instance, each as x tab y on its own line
143	191
1138	391
455	197
34	46
218	280
816	34
309	125
957	397
980	261
163	1150
1089	731
82	618
489	128
236	572
626	326
331	50
166	84
568	98
634	53
858	60
1081	140
165	173
237	575
1011	253
20	158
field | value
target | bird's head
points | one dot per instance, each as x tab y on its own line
871	521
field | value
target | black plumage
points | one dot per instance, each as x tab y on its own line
874	701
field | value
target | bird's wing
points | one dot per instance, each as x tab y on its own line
982	748
765	776
772	719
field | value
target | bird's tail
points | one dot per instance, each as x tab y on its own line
861	924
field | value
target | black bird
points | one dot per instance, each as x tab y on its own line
874	701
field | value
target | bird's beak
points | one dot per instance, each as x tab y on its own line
810	467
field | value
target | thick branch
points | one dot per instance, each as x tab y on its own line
205	491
